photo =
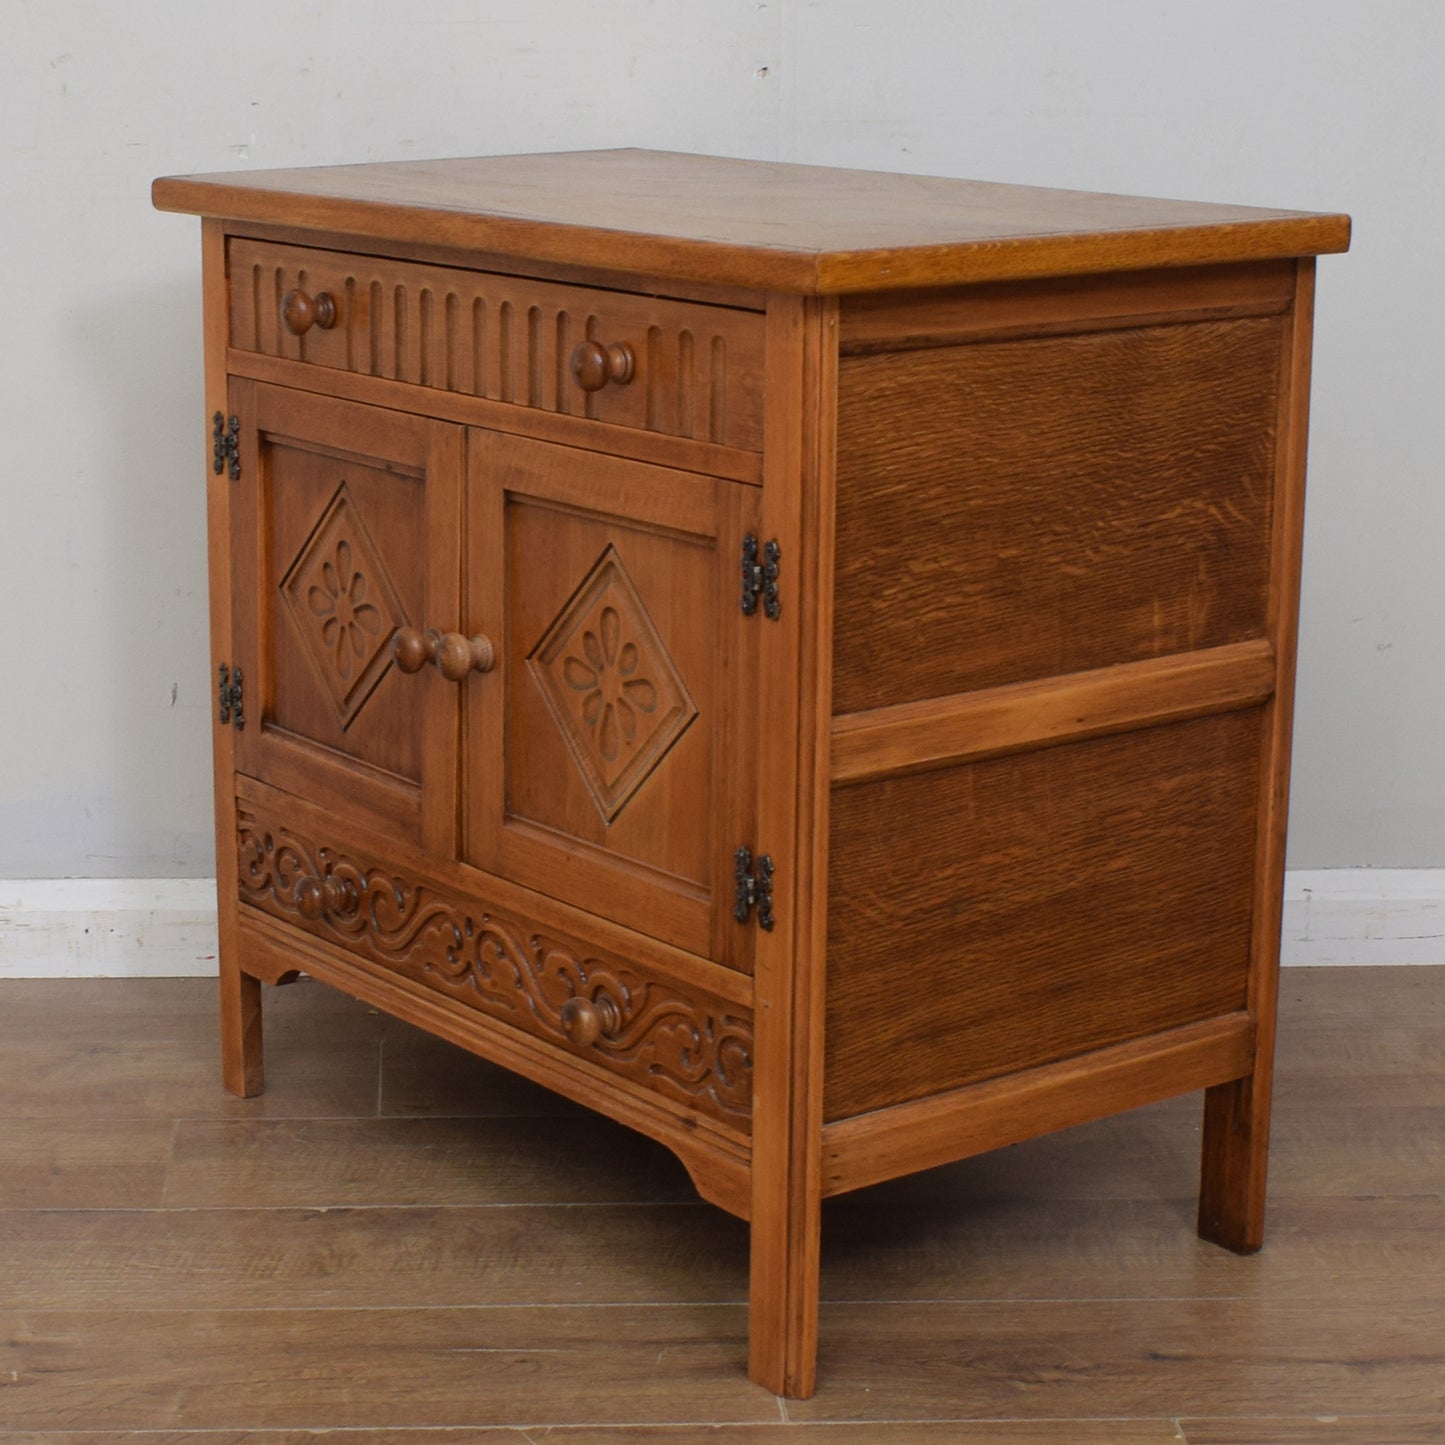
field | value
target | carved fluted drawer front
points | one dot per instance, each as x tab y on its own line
680	367
667	1035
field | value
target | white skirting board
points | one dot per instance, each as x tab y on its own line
166	927
107	927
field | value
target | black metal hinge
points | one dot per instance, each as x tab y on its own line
760	579
230	697
226	445
755	890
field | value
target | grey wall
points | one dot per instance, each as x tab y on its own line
104	673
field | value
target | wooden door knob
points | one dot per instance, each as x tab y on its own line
585	1020
301	311
318	897
412	650
456	656
594	364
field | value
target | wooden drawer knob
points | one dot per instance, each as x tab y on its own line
318	897
594	364
585	1020
456	657
301	311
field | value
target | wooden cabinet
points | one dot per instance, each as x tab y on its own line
799	661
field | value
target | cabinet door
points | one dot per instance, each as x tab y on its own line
610	756
347	529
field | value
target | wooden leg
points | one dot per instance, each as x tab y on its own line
783	1298
241	1067
1235	1156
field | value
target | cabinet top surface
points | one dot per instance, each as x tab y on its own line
765	224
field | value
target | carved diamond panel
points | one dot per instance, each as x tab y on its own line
344	606
611	686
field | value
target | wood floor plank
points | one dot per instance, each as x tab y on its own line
1338	1051
371	1258
500	1274
1370	1251
1315	1430
1401	993
328	1162
952	1432
376	1369
77	1011
1062	1359
161	1078
991	1432
83	1163
1373	1253
422	1074
1319	1150
380	1368
462	1436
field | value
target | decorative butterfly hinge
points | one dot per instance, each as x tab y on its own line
754	890
230	696
226	445
760	579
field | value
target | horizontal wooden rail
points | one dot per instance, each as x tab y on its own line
682	453
869	1148
913	737
905	320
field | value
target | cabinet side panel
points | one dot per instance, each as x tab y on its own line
1017	509
997	916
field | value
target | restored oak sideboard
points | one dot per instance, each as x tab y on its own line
797	660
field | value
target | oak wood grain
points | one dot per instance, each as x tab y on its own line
684	453
953	1124
905	320
795	686
788	227
1022	509
1235	1151
238	994
598	767
1060	901
1037	503
914	737
697	369
486	962
347	528
471	258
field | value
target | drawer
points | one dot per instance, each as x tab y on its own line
683	368
655	1031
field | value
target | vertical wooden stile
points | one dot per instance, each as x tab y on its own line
795	704
1236	1114
241	1066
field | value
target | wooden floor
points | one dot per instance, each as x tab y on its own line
398	1243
